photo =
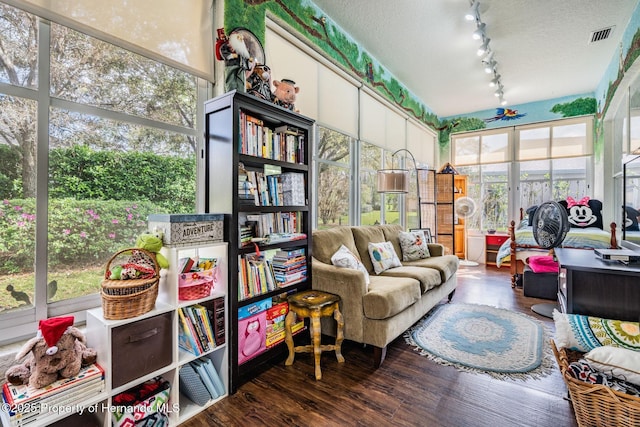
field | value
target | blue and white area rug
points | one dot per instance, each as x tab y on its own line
484	339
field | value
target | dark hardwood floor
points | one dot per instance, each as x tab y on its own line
407	390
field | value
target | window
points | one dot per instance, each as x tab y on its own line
333	168
113	141
550	162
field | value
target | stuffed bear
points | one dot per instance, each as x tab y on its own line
285	93
259	82
57	351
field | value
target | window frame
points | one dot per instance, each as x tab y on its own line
21	323
514	162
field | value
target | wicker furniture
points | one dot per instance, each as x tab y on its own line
595	404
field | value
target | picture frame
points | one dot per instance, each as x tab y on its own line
426	232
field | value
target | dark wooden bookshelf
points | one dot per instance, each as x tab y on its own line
222	154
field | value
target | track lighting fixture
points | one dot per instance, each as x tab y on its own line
473	13
478	34
489	64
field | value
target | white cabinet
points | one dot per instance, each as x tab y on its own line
152	351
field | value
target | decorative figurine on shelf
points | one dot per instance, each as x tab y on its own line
241	51
58	351
259	82
237	59
285	93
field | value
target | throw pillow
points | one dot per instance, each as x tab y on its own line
584	333
631	219
616	361
413	245
383	256
583	213
344	258
531	211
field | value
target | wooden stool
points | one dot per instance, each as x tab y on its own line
314	304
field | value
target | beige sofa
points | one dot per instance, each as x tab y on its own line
394	300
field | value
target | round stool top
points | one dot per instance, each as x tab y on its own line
312	299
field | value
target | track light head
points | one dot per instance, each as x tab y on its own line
490	66
503	101
473	14
484	47
478	34
495	81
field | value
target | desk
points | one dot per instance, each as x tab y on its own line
590	286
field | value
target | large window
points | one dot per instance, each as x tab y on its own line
333	163
104	139
524	166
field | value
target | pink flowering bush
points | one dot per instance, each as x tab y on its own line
81	233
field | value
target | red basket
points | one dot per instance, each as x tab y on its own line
196	285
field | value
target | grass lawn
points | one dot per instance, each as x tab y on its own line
71	284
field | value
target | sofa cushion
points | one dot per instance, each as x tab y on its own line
389	296
362	235
327	242
344	258
391	234
383	256
447	265
429	278
413	245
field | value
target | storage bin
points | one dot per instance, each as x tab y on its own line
252	336
184	229
141	347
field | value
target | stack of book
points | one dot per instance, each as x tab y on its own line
255	276
22	404
289	266
200	381
198	332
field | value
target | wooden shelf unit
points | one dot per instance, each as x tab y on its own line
223	153
492	244
101	333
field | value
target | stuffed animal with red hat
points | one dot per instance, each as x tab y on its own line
57	351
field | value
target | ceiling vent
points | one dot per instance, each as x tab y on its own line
601	34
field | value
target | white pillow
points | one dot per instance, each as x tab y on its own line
413	245
617	361
344	258
383	256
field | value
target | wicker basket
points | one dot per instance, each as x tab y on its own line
596	404
123	299
196	286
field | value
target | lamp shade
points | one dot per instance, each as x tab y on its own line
393	181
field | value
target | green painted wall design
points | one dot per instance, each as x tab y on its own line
325	34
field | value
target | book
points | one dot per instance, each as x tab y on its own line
189	342
204	377
219	320
213	374
200	334
21	394
25	414
206	323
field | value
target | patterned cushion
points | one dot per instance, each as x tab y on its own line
584	333
344	258
414	245
583	213
383	256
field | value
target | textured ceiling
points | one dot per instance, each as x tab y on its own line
542	47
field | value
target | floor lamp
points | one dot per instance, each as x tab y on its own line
397	180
